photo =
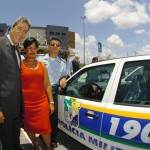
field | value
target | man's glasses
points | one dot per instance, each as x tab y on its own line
55	44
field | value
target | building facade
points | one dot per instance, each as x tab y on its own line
43	34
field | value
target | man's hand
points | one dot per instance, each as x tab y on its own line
2	118
63	82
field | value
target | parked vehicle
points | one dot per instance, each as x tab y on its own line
106	105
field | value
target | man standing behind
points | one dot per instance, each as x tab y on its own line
57	74
68	63
75	63
94	59
11	101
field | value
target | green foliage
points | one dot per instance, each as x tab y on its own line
81	65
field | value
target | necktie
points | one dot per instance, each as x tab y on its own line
17	54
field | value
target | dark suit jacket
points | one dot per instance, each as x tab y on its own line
11	101
75	65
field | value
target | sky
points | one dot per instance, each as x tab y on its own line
122	26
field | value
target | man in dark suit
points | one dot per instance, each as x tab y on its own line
11	101
75	63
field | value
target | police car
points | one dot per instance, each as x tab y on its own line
106	105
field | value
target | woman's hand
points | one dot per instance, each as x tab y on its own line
52	108
2	118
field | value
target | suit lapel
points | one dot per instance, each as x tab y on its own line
8	44
11	49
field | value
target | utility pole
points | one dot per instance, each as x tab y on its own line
135	53
87	58
83	18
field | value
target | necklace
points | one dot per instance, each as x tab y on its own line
30	63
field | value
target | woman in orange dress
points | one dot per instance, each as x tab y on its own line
37	93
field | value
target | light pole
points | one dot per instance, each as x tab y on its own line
83	18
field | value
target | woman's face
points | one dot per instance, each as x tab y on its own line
31	51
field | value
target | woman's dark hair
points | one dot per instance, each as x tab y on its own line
29	41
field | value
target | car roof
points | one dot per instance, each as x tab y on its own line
115	59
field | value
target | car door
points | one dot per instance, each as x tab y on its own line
81	103
126	121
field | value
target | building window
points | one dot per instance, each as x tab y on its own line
51	32
1	31
63	33
57	33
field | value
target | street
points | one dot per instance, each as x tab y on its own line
65	142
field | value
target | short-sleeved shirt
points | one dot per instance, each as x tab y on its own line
56	68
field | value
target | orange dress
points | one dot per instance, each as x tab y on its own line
36	106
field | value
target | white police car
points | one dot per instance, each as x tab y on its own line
106	105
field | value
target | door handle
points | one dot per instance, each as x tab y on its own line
92	115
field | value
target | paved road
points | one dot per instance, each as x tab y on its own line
65	142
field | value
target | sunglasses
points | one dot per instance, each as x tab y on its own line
55	44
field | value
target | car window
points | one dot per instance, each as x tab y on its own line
90	83
134	85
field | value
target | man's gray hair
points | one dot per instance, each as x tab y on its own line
22	19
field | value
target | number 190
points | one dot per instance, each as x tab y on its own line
132	129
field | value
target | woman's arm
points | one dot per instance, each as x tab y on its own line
48	89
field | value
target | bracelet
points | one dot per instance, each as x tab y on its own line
51	102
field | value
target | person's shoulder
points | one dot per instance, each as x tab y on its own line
4	41
42	57
62	62
41	63
61	59
3	38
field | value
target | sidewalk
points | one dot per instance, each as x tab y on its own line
26	143
64	142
